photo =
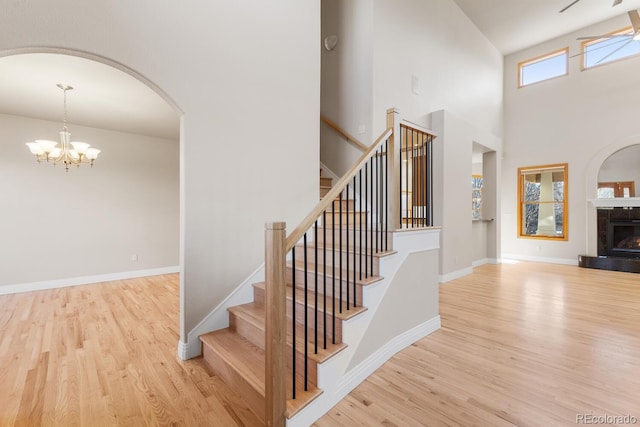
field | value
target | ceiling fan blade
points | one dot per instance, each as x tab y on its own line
634	17
567	7
616	2
608	45
613	51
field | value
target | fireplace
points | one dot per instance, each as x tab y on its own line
624	238
618	240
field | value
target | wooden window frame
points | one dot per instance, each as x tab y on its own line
565	213
587	43
559	52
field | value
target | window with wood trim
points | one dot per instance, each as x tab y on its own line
543	202
545	67
601	51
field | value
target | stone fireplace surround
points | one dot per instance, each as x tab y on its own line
623	215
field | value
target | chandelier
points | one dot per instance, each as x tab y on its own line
69	153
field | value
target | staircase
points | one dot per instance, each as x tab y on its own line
328	286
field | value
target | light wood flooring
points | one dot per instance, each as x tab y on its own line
105	355
521	345
525	344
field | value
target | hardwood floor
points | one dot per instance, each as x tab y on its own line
525	345
105	355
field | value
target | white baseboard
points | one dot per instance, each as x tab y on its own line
518	257
218	318
357	375
455	275
183	350
361	372
84	280
480	262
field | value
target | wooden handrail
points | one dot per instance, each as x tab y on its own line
328	199
346	135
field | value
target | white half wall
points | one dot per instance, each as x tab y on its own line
87	222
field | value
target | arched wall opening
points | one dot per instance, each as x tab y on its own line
118	219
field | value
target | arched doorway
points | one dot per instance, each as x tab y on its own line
118	219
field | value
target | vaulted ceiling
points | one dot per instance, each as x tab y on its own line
512	25
105	97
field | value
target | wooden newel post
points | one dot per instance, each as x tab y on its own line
395	140
275	324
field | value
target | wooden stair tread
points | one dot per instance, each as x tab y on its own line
362	282
254	313
245	358
248	361
303	398
345	315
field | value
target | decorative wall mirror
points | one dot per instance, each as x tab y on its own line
542	207
619	173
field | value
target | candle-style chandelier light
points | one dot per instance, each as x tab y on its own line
69	153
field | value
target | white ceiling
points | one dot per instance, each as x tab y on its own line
103	97
512	25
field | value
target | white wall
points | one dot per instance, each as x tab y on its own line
383	44
452	169
347	80
623	165
459	70
580	119
88	221
246	76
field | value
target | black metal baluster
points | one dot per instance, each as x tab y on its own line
324	276
306	316
333	271
424	181
340	252
315	293
430	175
355	215
412	173
400	142
346	249
371	225
386	195
378	187
293	325
360	213
366	217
